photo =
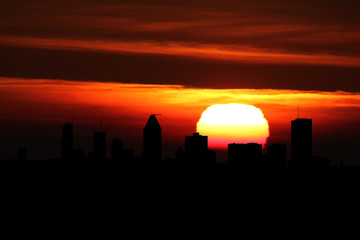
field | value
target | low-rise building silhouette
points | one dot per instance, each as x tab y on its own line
247	155
118	152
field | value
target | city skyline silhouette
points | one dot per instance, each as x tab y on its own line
196	154
81	80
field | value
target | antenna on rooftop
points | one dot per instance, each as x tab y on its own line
72	119
100	123
298	111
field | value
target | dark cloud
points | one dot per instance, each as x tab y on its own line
94	66
289	27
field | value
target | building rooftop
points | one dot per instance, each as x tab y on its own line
152	122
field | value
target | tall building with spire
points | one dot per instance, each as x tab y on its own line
67	141
152	140
301	140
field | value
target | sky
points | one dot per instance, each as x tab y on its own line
135	58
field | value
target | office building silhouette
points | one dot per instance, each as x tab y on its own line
67	141
249	155
152	140
196	150
276	156
301	140
196	144
99	144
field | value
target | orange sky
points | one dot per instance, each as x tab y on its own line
126	107
124	60
237	53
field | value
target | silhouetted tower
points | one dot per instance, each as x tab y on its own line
196	150
301	139
99	146
116	149
152	139
67	141
277	156
196	145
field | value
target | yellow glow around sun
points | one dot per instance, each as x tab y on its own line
229	123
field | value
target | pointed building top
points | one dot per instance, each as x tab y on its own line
152	122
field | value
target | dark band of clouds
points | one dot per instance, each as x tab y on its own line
257	44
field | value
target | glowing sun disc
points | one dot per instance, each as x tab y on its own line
233	123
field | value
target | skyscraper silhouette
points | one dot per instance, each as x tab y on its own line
301	140
99	146
152	140
67	142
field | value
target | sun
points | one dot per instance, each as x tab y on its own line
233	123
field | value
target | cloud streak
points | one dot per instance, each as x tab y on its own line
210	51
256	44
125	108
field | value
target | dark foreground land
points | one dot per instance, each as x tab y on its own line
73	164
108	180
